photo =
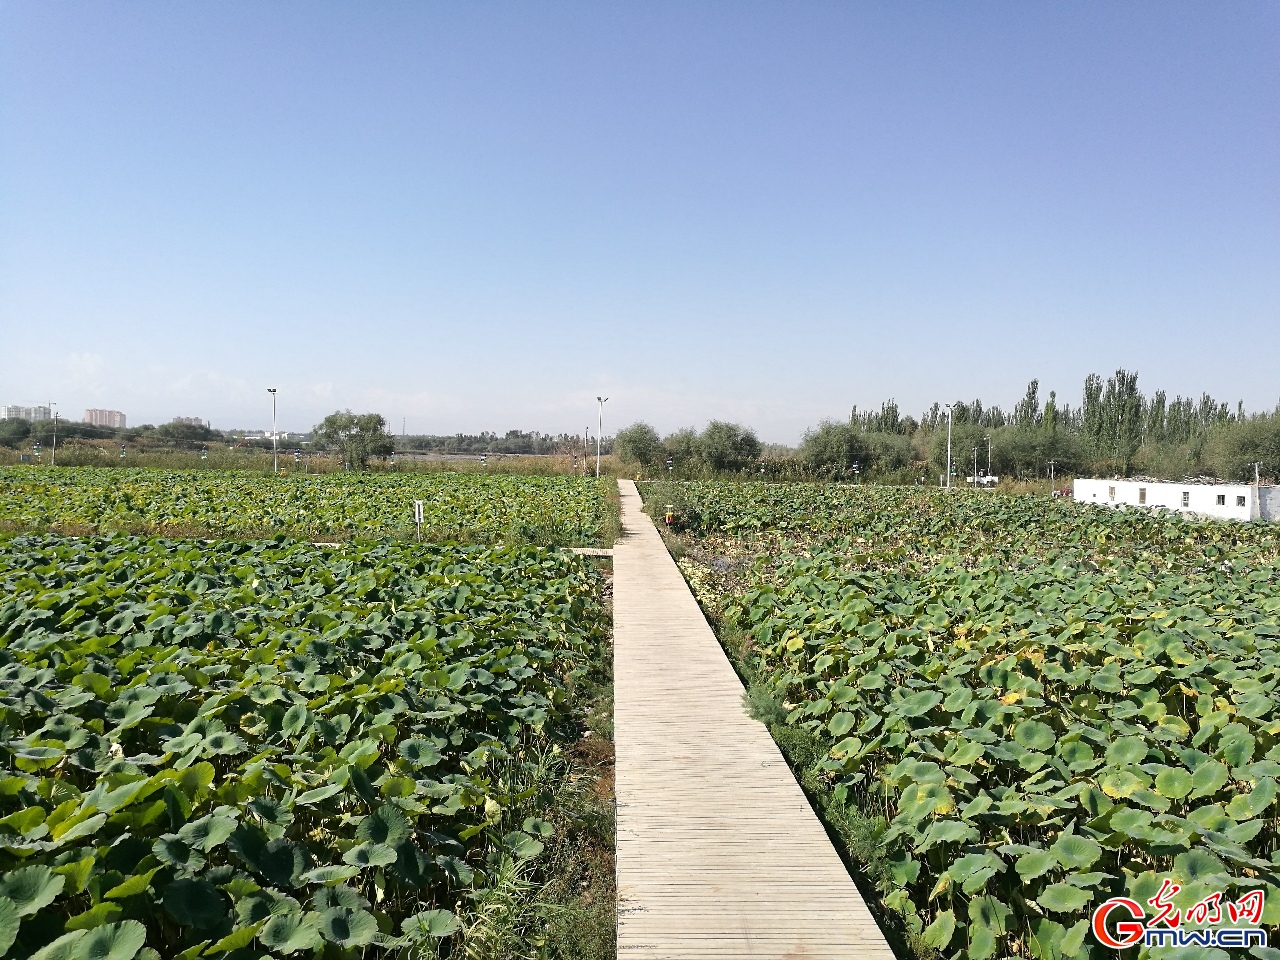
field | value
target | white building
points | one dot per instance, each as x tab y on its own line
27	413
105	418
1227	501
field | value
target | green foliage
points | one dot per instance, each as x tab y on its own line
834	449
1048	703
273	744
548	510
638	444
358	436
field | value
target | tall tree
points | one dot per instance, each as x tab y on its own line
358	436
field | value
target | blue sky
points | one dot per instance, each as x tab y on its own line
480	216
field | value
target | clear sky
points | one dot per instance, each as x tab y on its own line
482	215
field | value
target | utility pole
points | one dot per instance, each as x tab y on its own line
989	455
949	446
53	454
1257	466
275	453
975	468
599	430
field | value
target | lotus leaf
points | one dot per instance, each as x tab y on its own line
291	932
430	923
30	889
348	928
195	903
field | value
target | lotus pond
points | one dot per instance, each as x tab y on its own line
273	748
475	507
1011	708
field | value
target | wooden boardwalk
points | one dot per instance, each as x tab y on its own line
719	854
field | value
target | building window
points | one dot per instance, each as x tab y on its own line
1239	501
1186	498
1222	499
1142	494
1111	492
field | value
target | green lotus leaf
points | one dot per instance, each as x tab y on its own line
947	831
918	704
1236	745
420	753
62	948
225	744
312	797
1106	682
537	827
1035	735
176	852
939	933
1208	779
841	724
95	916
295	720
236	939
430	923
31	888
291	932
339	896
967	752
1197	865
1063	898
1245	806
386	825
195	903
1119	784
131	887
112	941
260	904
330	873
1174	783
207	832
1127	751
1075	852
370	855
348	928
521	845
1035	864
10	921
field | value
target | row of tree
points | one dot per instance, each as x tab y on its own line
1115	430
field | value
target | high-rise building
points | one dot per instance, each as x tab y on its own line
191	421
27	413
105	418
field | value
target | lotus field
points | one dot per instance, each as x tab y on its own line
559	510
1026	705
273	748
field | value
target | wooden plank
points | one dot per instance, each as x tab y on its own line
718	851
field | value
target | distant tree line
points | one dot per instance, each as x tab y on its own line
528	443
15	432
1114	430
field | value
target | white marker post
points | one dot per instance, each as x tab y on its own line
417	517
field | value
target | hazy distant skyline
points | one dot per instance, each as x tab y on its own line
481	217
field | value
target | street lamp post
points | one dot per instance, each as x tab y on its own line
988	439
53	454
949	406
599	430
275	452
975	468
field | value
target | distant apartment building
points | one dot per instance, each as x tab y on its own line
105	418
27	413
191	421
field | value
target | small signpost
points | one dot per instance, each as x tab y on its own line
417	517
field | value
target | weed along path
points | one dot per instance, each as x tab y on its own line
718	852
